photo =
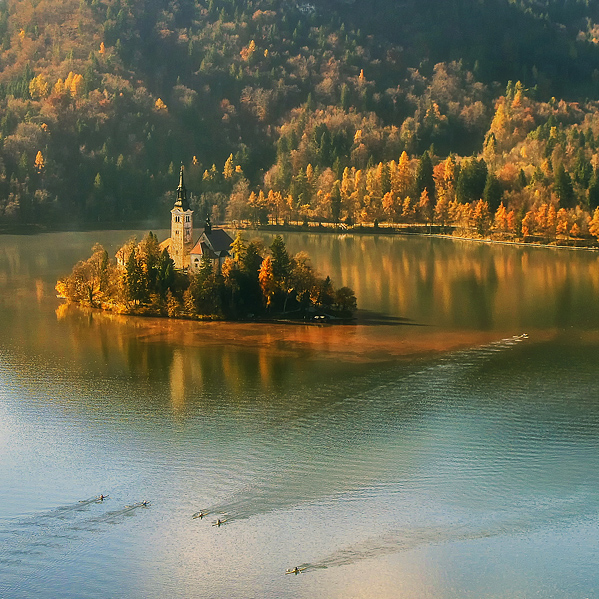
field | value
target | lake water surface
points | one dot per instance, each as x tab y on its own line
442	455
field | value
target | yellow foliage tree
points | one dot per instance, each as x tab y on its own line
401	182
160	106
39	87
59	87
500	123
425	206
551	220
388	206
39	162
229	169
562	222
511	221
594	224
541	218
408	210
442	210
481	217
528	223
76	86
247	52
501	219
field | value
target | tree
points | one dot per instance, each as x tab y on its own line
229	170
528	223
471	180
594	224
238	248
563	187
492	192
481	218
442	210
281	263
501	219
39	162
403	180
345	300
39	87
593	191
424	177
336	202
165	277
267	281
425	206
134	280
562	222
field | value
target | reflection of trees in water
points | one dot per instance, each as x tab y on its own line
156	351
460	283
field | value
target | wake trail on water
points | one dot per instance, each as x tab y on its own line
51	529
280	487
403	540
116	514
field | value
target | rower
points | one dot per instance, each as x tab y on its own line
295	570
199	515
145	503
102	497
219	522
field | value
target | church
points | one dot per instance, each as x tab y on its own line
213	243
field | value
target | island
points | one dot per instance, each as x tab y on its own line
254	282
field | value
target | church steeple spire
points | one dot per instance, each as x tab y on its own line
181	193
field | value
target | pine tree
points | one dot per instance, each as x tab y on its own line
563	187
424	177
492	192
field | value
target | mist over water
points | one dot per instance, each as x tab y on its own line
457	458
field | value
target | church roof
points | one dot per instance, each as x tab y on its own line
217	241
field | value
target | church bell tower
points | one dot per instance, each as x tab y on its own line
181	227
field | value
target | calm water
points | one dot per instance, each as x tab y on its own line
443	457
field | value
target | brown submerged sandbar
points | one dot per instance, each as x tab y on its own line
373	340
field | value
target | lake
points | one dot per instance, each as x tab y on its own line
446	446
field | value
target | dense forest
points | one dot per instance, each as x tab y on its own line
482	114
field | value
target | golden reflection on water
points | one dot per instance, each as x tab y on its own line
461	294
177	381
455	283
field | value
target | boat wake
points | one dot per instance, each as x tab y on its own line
407	539
50	530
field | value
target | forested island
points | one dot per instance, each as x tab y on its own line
252	283
477	114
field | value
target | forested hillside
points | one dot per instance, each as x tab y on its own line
326	111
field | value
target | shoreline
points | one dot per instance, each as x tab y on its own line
357	230
409	230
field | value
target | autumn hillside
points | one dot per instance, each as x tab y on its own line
323	111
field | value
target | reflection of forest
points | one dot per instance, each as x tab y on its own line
472	293
462	283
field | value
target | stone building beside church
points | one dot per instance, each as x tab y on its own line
213	243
